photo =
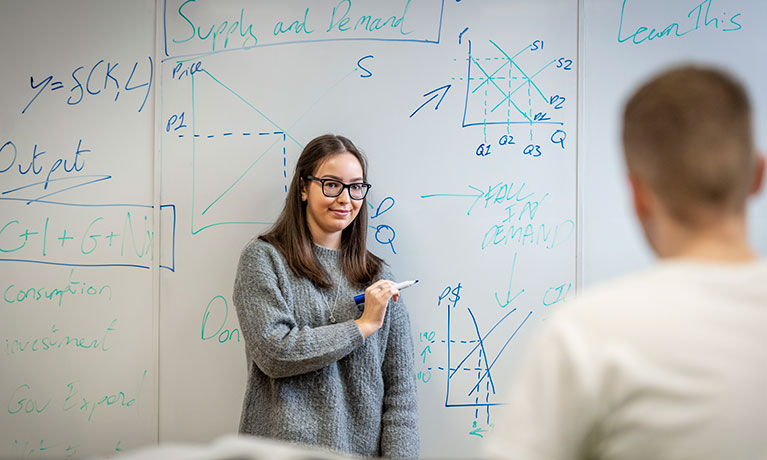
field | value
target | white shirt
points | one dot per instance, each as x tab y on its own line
667	364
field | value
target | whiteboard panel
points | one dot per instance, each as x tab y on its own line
621	52
77	325
473	190
492	133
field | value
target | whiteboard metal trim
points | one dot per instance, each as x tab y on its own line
156	224
581	112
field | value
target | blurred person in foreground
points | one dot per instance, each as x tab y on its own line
670	363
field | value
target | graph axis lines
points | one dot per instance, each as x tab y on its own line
484	370
489	77
275	129
282	134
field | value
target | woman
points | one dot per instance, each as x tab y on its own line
322	370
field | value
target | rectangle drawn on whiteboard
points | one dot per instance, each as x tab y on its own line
200	28
507	87
82	235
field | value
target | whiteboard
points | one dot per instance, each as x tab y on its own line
725	34
78	358
189	128
473	191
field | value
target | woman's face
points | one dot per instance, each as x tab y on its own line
327	217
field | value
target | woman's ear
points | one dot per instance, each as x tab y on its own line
302	185
756	187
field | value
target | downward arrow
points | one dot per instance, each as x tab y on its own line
509	299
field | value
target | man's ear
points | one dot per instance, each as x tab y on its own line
641	197
758	175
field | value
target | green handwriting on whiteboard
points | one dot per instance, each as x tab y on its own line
223	335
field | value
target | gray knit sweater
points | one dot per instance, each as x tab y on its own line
314	382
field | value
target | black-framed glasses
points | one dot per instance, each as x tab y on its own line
331	188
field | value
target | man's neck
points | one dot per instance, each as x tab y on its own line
724	241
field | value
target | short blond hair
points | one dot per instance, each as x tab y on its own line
687	135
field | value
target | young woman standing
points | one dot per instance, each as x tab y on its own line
322	370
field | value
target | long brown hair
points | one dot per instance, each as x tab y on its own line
291	236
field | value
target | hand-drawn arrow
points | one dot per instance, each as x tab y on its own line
509	298
476	196
435	93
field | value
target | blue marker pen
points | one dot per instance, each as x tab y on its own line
358	299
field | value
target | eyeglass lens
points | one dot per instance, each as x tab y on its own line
333	188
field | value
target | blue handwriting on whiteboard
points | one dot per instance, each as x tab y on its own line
509	297
436	93
497	194
360	66
89	237
9	154
98	79
548	237
222	335
185	69
89	403
224	29
30	449
74	288
556	294
56	339
532	150
699	17
384	234
343	20
368	22
296	26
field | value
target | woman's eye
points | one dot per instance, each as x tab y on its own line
332	185
355	187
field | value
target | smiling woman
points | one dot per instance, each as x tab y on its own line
330	210
321	372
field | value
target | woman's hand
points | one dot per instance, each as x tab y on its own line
376	300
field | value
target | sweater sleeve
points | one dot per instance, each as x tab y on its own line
399	432
274	341
553	404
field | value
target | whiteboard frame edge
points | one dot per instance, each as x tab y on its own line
157	201
579	163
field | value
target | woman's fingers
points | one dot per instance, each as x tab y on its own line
383	292
376	301
377	286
